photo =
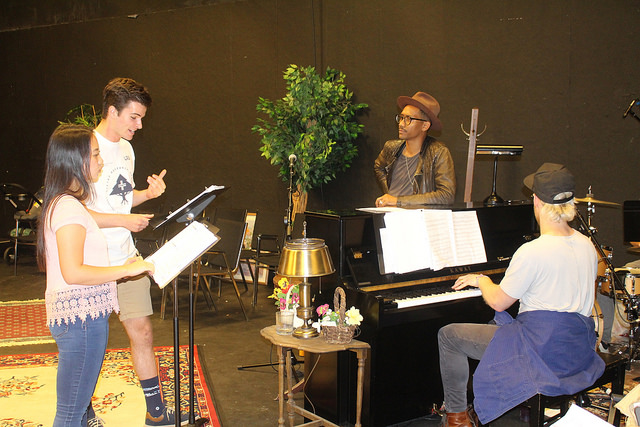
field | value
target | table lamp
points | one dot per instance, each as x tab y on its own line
497	150
305	258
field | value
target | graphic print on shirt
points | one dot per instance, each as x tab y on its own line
122	188
119	189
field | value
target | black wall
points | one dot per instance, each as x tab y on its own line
552	76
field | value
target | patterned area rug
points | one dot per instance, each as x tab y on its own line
28	389
23	322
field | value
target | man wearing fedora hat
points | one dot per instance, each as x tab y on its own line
416	169
549	347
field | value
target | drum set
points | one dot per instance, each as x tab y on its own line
620	284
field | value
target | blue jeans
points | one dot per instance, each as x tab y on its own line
81	348
456	343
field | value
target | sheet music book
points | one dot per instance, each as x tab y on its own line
197	205
430	238
175	255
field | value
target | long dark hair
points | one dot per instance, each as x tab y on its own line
67	171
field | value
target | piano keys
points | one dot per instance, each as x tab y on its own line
402	314
435	296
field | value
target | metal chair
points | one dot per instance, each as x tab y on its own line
267	256
264	246
224	258
27	206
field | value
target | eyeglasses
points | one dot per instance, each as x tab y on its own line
407	119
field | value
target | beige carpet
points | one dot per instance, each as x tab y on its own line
28	389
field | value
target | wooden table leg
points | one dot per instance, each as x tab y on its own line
281	358
291	401
361	361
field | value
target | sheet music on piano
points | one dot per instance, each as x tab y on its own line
430	238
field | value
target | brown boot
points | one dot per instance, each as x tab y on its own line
456	419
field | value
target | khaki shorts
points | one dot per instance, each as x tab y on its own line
134	298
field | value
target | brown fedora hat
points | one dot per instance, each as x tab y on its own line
427	104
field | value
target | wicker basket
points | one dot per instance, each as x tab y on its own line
341	334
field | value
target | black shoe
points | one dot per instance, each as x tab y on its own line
166	419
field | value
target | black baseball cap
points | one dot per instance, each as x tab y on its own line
552	183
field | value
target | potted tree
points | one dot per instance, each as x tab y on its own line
316	121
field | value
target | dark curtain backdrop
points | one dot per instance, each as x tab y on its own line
552	76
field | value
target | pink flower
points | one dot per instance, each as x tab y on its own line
322	310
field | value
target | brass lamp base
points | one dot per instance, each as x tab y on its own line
305	331
305	313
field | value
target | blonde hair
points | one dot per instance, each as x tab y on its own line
560	212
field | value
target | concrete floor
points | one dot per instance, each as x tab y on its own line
225	340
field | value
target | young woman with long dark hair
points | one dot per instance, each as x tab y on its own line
81	286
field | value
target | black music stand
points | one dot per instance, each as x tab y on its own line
187	214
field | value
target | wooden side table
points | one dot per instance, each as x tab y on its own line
318	345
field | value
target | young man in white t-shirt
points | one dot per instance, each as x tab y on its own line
125	104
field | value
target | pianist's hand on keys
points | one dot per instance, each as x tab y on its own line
468	280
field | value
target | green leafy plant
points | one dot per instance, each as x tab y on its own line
316	121
84	114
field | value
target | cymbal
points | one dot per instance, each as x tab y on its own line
595	201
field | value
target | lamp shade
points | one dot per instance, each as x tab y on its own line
305	258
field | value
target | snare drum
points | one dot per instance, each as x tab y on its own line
631	279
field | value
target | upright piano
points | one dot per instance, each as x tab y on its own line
402	314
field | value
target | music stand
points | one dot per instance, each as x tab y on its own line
497	150
187	213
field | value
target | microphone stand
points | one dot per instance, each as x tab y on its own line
288	220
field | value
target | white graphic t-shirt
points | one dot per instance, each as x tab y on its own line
114	194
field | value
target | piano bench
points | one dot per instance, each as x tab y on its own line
614	373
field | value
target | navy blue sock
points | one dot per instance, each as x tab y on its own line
153	396
90	412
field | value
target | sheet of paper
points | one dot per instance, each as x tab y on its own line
175	255
408	241
415	239
381	209
468	238
577	416
439	226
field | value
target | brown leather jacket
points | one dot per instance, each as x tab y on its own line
435	177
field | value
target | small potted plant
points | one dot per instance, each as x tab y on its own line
83	114
315	121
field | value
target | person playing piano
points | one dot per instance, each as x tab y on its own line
549	347
416	169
